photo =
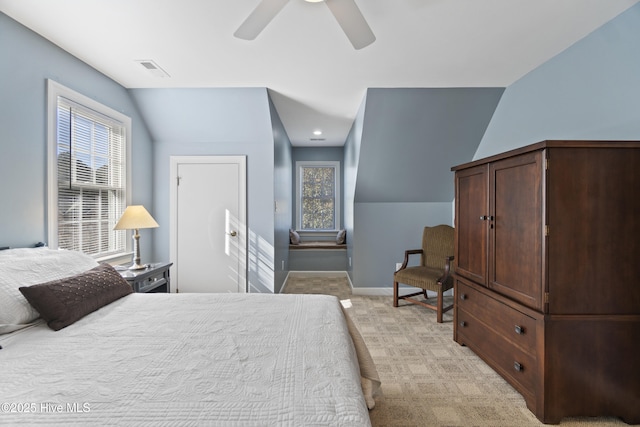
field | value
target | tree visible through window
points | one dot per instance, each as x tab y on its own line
318	192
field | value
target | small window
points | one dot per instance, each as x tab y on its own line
318	195
88	171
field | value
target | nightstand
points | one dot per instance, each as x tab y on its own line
154	278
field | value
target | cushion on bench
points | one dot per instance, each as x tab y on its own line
318	245
295	242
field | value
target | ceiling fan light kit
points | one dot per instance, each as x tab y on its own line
346	12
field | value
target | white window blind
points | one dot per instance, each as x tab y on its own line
90	149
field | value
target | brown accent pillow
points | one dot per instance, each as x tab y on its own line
294	237
341	237
64	301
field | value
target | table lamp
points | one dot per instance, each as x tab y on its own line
134	218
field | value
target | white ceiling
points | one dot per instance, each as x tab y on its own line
316	78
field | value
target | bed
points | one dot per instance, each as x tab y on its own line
170	359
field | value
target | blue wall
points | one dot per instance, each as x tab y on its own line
349	177
188	122
282	193
589	91
383	231
410	139
27	62
412	136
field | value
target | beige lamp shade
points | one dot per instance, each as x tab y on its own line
135	217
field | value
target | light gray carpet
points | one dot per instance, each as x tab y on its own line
427	378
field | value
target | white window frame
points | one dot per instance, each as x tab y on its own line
299	167
55	90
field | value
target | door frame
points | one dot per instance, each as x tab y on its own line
241	161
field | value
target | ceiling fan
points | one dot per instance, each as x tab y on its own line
346	13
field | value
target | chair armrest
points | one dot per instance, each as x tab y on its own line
447	269
407	253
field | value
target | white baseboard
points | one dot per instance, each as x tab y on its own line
373	292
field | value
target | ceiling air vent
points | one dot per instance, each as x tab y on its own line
153	68
317	139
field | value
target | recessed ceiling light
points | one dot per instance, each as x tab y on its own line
317	132
313	1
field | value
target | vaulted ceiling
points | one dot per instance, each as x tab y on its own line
316	78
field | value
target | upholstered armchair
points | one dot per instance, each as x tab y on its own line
434	273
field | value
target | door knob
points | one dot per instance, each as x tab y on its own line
232	233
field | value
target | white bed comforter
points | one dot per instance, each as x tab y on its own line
188	359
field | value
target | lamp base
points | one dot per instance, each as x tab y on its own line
136	252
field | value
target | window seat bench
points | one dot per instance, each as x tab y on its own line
317	251
323	245
321	252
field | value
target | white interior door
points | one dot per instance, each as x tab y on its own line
208	223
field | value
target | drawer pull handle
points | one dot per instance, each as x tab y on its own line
519	330
483	218
463	296
518	367
463	324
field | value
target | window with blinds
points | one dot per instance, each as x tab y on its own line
318	195
91	185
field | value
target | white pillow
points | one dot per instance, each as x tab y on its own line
31	266
294	237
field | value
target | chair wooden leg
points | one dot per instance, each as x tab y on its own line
395	294
440	302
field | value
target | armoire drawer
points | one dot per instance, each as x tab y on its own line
512	362
511	324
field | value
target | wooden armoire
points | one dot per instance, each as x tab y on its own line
547	285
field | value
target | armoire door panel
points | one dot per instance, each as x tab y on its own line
471	231
516	229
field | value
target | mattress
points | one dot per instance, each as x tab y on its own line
188	359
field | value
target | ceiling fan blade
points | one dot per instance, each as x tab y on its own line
259	18
352	22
